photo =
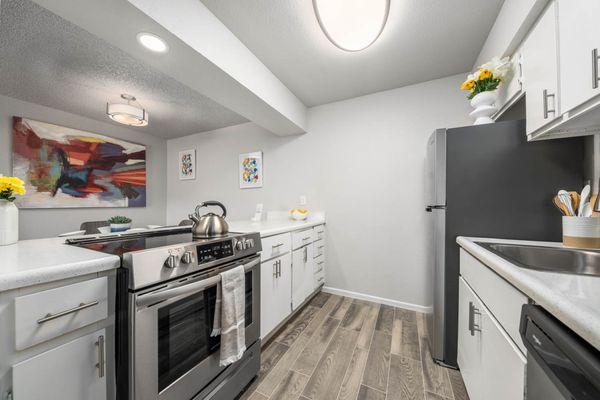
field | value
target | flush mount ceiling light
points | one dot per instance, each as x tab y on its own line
152	42
352	25
127	114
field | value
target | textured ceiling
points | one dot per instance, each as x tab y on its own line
423	40
49	61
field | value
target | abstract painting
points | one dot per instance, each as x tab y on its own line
187	164
251	170
69	168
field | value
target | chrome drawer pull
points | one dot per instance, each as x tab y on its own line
100	365
306	238
81	306
473	327
321	262
545	103
595	77
277	245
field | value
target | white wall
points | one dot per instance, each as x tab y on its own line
37	223
362	162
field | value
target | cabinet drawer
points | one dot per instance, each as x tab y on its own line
302	238
319	264
319	279
319	248
274	246
500	297
319	232
45	315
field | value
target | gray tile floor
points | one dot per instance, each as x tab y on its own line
338	348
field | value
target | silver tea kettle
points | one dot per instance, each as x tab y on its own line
210	224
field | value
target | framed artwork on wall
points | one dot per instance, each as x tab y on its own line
251	170
187	164
70	168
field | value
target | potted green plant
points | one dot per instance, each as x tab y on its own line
119	223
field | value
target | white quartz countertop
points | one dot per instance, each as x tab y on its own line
31	262
274	227
573	299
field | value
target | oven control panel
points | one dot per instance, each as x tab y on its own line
214	251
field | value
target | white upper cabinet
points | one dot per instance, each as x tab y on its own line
540	71
579	30
512	88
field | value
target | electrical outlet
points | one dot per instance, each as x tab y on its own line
302	200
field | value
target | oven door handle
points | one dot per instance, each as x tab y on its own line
156	297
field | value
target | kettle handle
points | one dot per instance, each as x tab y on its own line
212	203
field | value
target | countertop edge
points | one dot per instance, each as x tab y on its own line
584	323
47	274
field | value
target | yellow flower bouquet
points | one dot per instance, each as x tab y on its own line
487	77
11	186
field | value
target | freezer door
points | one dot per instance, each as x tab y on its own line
436	169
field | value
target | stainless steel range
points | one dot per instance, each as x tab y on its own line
166	304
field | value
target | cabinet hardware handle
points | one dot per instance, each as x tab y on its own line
277	245
473	327
595	77
81	306
306	254
275	269
320	269
306	238
545	103
100	347
279	268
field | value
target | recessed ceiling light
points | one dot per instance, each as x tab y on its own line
352	25
152	42
127	114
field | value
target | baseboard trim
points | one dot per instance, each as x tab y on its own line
375	299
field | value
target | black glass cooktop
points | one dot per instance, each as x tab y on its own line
119	245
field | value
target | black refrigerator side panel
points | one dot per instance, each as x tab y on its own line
499	185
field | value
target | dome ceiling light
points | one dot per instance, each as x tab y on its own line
352	25
127	114
152	42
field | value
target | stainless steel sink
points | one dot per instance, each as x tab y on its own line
553	259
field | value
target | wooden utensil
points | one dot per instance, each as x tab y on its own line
559	204
574	199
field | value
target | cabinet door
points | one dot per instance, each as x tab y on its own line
268	297
275	293
540	71
503	363
512	87
579	33
73	371
302	273
470	341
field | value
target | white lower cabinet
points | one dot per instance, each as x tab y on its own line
492	366
73	371
303	274
275	292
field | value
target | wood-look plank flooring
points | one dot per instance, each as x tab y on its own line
337	348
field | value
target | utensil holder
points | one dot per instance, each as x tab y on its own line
581	232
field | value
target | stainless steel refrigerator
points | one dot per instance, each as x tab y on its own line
488	181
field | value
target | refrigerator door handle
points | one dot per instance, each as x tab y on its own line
431	208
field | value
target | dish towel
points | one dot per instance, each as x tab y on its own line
230	309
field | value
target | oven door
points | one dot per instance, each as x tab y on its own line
173	355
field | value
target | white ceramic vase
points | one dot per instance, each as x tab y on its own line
484	105
9	223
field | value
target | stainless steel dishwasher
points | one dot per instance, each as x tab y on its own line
560	364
